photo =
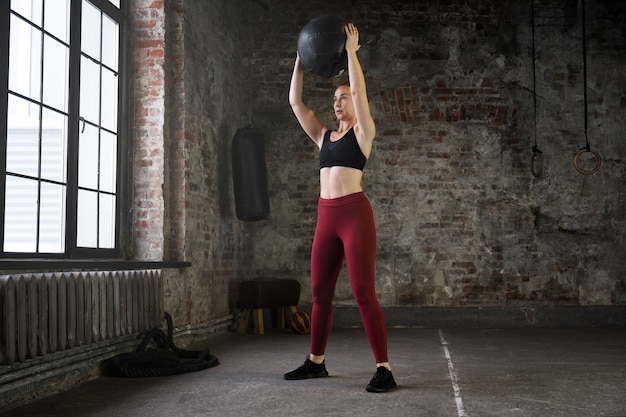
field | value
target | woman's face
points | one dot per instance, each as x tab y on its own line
342	103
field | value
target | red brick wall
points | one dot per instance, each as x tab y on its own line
189	103
149	40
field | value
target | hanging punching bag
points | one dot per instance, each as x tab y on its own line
250	175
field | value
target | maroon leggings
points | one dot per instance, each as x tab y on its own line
345	228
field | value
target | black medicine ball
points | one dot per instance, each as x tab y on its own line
322	46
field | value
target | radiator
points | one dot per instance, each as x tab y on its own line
41	314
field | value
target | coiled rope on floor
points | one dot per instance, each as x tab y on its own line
165	360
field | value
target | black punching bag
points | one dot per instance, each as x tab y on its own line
250	175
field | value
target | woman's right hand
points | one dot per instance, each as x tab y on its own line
352	38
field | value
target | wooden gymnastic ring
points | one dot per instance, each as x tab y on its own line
594	169
536	156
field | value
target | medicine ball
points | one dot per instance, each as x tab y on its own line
300	322
322	46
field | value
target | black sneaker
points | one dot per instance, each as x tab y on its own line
308	369
382	381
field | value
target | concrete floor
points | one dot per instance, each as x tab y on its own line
449	372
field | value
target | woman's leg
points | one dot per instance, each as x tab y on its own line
326	262
358	233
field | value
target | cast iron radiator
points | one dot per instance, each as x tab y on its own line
45	313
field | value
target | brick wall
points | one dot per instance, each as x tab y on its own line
149	57
460	218
190	99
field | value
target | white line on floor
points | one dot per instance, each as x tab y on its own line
453	378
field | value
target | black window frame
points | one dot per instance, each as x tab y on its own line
124	137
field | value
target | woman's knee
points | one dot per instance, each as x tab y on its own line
322	295
365	295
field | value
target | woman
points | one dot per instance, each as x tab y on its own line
345	223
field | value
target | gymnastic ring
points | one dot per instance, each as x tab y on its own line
590	171
538	156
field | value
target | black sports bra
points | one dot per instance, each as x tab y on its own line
344	152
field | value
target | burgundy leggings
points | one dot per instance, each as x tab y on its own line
345	227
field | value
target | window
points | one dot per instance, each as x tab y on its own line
59	128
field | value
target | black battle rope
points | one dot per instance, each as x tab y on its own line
536	153
162	361
586	148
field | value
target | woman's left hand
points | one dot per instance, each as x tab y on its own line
352	38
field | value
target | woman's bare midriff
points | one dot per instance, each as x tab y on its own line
339	181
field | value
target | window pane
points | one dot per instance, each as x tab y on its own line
22	137
52	219
90	90
90	33
29	9
56	19
55	74
108	162
20	222
110	42
107	221
87	219
25	59
109	100
88	158
53	146
115	3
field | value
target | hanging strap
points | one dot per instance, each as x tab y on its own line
585	70
536	159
